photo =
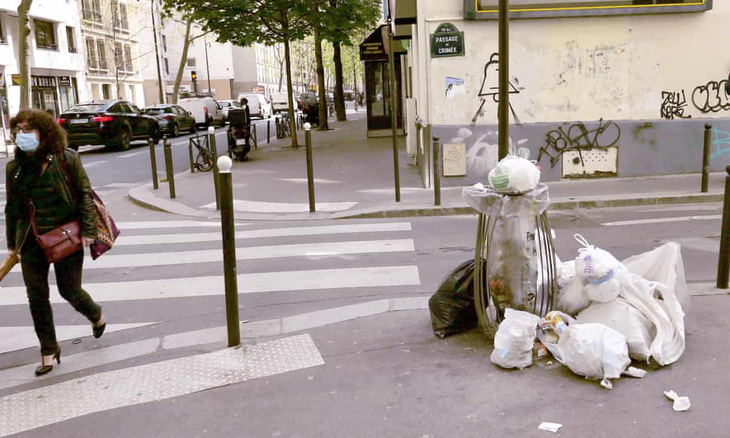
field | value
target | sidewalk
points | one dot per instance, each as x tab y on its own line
354	178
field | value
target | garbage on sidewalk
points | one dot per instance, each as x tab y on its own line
681	404
515	339
452	306
550	427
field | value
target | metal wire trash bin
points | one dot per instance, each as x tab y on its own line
515	251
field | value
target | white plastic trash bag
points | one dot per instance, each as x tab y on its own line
625	319
664	265
594	351
514	339
514	175
599	271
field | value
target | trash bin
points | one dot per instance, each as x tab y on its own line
514	240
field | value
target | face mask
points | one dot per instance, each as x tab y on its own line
27	142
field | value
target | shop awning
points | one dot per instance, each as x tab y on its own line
374	48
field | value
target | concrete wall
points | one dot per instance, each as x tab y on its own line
664	72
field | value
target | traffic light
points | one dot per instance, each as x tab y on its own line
194	76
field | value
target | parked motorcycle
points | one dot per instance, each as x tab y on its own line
239	134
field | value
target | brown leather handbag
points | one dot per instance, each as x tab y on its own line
60	242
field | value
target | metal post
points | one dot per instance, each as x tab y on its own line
153	161
228	232
214	151
310	167
706	158
723	264
436	171
268	131
157	54
190	152
168	166
426	142
255	136
393	110
503	111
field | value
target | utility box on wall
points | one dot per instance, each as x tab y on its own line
591	163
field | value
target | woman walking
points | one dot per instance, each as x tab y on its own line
49	181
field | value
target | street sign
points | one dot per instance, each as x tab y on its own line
447	41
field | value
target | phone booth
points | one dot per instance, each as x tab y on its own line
377	82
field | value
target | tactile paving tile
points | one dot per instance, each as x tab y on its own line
157	381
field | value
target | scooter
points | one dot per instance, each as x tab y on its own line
239	135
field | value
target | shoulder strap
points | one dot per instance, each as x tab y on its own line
74	192
32	206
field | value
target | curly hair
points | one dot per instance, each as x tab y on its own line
52	135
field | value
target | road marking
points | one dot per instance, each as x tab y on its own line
264	282
326	249
159	239
121	185
661	220
156	381
95	163
18	338
148	225
280	207
132	154
305	180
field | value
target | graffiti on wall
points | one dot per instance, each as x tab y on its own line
490	88
711	97
720	143
674	105
579	138
483	153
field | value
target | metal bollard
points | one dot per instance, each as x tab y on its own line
706	158
214	152
153	161
723	264
228	232
255	136
190	152
310	167
168	166
268	131
436	171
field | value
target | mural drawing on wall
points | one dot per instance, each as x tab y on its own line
673	105
579	138
483	154
720	143
490	88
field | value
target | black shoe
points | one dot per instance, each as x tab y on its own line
98	331
45	369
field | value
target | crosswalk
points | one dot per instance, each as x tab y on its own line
155	264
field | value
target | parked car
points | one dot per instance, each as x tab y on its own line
205	110
280	103
308	98
258	105
226	105
114	123
172	119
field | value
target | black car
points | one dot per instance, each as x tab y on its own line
113	123
172	118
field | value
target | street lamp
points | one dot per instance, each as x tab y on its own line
207	66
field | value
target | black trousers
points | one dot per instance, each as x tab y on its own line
68	278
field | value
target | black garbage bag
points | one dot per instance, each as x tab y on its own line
452	306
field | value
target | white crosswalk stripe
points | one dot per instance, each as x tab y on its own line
306	259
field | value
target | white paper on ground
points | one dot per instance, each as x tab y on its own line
681	404
550	427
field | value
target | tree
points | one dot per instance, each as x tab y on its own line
24	49
317	18
245	22
346	18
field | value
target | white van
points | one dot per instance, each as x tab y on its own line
280	103
205	110
258	105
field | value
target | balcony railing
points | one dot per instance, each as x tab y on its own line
47	46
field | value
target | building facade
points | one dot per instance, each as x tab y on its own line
111	32
56	60
607	89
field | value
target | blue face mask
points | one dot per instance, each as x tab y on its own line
27	142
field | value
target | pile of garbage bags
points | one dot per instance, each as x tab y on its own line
608	313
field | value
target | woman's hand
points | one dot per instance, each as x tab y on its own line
87	241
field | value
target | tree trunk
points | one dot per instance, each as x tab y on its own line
323	123
339	79
24	25
281	74
292	121
183	60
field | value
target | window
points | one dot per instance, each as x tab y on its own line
123	16
70	39
2	34
164	43
167	66
91	57
45	35
101	52
191	62
106	91
128	58
488	9
118	56
91	10
115	13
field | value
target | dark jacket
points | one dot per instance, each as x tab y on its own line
17	220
